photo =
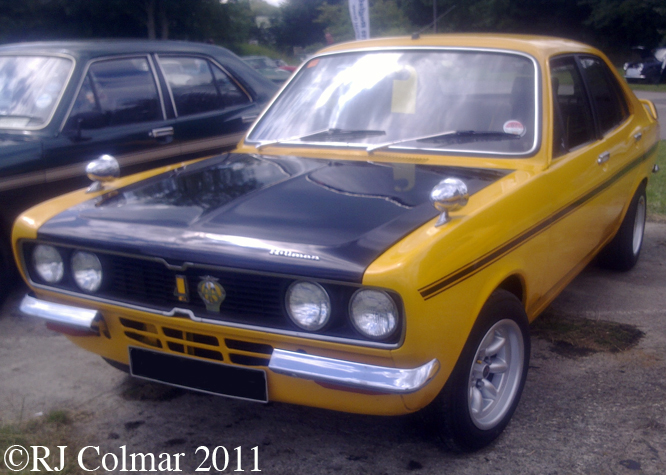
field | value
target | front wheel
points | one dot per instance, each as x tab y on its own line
623	251
484	389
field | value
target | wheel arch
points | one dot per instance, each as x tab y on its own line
514	284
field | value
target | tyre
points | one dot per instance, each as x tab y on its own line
484	389
623	251
8	275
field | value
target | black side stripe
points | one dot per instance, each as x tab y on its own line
465	272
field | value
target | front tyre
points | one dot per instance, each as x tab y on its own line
484	389
623	251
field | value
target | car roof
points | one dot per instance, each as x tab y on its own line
537	46
87	49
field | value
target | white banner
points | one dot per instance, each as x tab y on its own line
360	17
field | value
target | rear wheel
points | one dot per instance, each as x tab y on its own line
484	389
623	251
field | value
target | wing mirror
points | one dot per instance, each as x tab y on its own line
104	169
448	195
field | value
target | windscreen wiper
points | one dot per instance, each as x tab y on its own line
326	135
453	136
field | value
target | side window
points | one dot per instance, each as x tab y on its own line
606	94
573	122
198	86
116	92
230	93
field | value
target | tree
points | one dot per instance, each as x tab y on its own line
197	20
297	24
386	19
628	22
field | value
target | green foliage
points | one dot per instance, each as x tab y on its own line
656	190
386	19
245	49
195	20
612	25
297	26
635	22
50	431
58	417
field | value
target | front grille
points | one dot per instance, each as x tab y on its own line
250	298
197	344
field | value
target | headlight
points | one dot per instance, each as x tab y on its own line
48	263
374	313
308	305
87	271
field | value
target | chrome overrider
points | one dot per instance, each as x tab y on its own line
299	365
79	318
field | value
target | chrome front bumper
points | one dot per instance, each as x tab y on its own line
353	375
80	318
299	365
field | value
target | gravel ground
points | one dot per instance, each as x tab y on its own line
599	414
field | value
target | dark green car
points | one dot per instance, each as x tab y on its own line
148	103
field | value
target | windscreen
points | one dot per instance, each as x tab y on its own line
30	88
438	100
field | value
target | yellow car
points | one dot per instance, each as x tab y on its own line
378	243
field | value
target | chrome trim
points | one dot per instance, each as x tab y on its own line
448	195
537	103
184	312
161	132
156	78
62	93
351	374
77	317
603	158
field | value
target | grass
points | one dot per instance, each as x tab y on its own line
260	50
648	87
656	190
52	430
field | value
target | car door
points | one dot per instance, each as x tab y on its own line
119	111
595	142
213	110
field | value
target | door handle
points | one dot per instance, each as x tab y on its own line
603	158
638	136
161	132
249	118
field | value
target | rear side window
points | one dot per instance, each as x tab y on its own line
116	92
573	121
199	86
605	93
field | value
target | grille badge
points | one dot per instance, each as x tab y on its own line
212	293
181	291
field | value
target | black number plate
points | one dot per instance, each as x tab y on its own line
199	375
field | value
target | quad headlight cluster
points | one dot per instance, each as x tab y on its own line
373	312
85	267
328	309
